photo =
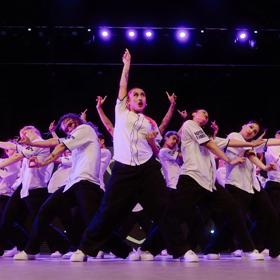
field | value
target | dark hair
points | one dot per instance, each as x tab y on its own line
70	116
261	129
170	133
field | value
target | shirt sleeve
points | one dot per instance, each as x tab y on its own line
195	131
79	137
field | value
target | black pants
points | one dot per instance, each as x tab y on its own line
84	194
261	210
273	190
127	186
13	229
191	194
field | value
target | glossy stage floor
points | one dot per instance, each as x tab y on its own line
47	268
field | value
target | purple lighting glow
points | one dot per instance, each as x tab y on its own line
182	35
105	34
131	34
242	36
148	34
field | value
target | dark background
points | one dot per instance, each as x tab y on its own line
60	67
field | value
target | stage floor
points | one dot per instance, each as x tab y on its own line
227	268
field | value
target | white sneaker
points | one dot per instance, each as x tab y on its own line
22	256
254	255
190	256
67	255
212	256
100	255
56	254
78	256
237	253
265	252
146	256
134	255
164	253
10	253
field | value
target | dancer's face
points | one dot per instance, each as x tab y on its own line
201	117
137	100
68	125
250	130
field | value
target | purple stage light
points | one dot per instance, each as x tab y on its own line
148	34
131	34
182	35
105	34
242	36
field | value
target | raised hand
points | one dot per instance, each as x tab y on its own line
172	98
83	115
183	114
99	101
52	127
215	128
126	57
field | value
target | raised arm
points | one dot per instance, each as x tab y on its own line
238	143
105	120
83	115
52	128
166	120
124	77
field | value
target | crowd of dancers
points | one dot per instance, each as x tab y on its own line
169	185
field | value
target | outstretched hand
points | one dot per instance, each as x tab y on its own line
215	128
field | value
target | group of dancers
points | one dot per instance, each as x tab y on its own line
169	185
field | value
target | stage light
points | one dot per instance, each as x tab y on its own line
89	30
148	34
256	32
182	35
242	36
131	34
105	34
212	231
29	29
202	31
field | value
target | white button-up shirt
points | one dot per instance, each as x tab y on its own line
130	144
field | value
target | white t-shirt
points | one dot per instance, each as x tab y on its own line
130	144
272	155
34	178
105	161
242	176
170	167
8	177
61	176
198	162
85	151
221	175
